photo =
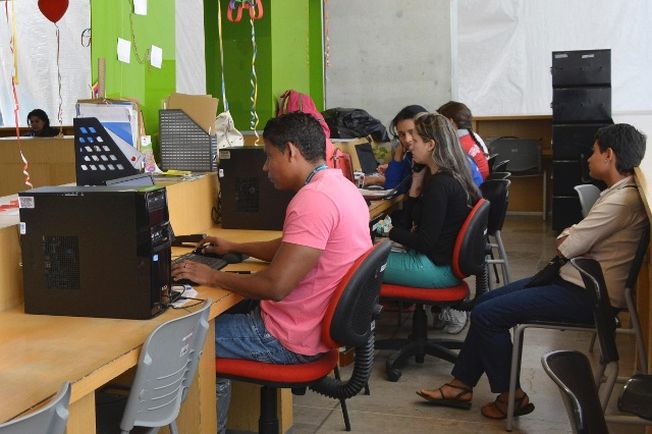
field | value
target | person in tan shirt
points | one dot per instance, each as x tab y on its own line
609	233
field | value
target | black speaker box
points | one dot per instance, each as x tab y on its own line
248	199
573	141
581	68
581	104
566	175
566	211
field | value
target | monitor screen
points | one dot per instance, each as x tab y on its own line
368	162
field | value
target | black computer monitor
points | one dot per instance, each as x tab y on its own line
368	162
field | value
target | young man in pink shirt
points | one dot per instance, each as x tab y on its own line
326	229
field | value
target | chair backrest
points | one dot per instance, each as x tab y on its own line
500	166
496	191
166	368
471	243
588	194
571	371
49	419
603	314
641	250
352	307
499	175
524	155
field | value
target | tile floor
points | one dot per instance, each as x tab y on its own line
394	407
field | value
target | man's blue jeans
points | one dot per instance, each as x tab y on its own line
488	345
243	336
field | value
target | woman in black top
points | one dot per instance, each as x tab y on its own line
39	124
439	199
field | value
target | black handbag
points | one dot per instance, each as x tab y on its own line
547	274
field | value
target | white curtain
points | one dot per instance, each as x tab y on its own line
37	60
504	51
191	63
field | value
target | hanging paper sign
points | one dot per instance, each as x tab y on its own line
53	9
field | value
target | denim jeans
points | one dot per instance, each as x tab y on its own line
488	346
243	336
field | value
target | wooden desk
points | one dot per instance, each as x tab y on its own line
379	207
644	287
39	352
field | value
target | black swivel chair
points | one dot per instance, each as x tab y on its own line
469	258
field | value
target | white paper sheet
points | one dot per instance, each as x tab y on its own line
124	50
140	7
156	56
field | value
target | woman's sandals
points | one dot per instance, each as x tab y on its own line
500	407
455	402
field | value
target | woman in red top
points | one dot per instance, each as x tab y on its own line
472	144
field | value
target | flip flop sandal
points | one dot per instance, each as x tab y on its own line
519	408
454	402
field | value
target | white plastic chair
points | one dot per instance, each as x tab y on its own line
50	419
165	371
588	194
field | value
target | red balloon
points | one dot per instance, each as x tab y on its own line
53	9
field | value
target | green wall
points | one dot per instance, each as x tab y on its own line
143	82
289	56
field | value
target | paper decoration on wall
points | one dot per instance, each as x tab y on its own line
140	7
53	9
124	50
255	8
156	56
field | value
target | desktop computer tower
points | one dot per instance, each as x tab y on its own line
95	251
248	199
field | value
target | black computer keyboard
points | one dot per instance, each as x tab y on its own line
211	261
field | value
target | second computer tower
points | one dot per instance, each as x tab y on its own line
248	199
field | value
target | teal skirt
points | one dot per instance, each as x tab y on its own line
411	268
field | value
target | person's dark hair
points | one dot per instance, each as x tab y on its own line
461	115
302	129
409	112
627	142
447	154
39	114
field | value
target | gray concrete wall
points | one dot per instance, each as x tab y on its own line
386	54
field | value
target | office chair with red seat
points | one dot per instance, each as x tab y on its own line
469	258
347	322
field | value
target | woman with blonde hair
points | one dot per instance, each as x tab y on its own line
439	200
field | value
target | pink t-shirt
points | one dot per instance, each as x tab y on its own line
328	214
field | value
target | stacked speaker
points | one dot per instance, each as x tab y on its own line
581	104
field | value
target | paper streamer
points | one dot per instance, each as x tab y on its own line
60	112
327	38
14	92
253	124
219	35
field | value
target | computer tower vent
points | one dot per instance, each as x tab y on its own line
61	261
247	199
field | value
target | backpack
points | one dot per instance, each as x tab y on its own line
293	101
342	161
